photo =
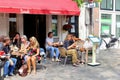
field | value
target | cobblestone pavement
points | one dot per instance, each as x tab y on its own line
108	70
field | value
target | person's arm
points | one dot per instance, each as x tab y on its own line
72	46
65	44
37	53
50	43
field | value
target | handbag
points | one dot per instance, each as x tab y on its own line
23	70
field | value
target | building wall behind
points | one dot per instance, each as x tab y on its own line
96	22
4	24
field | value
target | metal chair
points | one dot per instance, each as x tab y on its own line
63	54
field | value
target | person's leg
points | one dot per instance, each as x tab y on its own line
6	68
57	52
83	57
51	49
29	64
42	50
33	59
73	52
12	67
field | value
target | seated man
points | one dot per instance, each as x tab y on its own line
11	62
71	49
51	46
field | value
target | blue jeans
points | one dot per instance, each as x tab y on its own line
52	50
42	52
8	69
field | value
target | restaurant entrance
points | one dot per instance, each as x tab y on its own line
35	25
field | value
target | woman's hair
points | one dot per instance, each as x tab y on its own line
66	38
17	33
35	42
24	36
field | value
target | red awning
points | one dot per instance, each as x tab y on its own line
58	7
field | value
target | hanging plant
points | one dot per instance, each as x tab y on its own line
67	27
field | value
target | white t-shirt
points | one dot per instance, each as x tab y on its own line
48	40
88	44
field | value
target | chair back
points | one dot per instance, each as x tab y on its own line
63	51
79	44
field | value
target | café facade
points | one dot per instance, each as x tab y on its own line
38	17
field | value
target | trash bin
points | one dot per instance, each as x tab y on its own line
1	69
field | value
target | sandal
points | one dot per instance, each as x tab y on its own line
82	62
29	71
75	65
34	72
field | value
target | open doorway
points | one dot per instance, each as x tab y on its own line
35	25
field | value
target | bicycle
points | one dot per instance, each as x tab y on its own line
111	43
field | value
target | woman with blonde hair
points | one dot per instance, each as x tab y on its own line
33	52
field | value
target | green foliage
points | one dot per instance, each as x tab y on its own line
98	0
79	2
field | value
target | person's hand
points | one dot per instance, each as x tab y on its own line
13	39
34	55
7	57
73	46
55	44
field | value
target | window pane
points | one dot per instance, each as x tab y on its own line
54	25
103	4
117	5
106	24
107	4
118	25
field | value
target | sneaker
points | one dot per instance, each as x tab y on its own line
11	74
5	76
53	59
57	60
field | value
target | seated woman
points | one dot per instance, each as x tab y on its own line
80	48
33	52
88	46
11	62
70	47
24	45
17	40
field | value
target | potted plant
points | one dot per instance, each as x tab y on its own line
67	27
